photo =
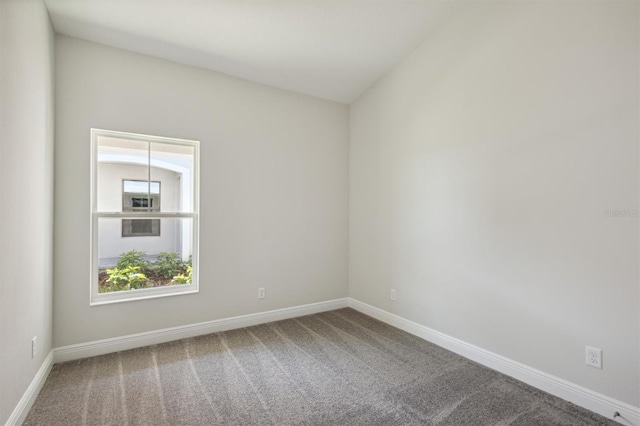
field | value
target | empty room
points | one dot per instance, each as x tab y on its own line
320	212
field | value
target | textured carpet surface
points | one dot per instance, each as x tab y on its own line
339	367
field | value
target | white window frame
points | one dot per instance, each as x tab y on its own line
146	293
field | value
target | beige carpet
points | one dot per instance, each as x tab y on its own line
333	368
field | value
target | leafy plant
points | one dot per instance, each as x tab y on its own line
169	264
182	278
127	278
133	271
133	258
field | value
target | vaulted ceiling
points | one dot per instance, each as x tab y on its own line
332	49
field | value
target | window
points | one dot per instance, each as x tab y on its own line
144	224
139	196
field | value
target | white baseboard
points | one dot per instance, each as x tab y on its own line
30	395
131	341
561	388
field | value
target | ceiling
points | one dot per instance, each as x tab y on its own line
332	49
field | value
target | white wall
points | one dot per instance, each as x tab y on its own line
274	184
112	244
26	172
480	171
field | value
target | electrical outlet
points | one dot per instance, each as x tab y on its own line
261	293
594	357
393	294
34	347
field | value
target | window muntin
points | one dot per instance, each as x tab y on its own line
142	185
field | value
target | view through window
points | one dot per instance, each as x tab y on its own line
140	196
144	216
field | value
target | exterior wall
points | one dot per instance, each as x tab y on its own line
112	244
481	172
26	191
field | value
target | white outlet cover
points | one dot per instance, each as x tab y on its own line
594	357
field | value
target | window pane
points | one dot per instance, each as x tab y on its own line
120	160
173	167
141	228
162	260
141	187
141	202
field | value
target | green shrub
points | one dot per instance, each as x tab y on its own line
182	278
127	278
133	258
169	264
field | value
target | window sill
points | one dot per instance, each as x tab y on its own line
142	294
